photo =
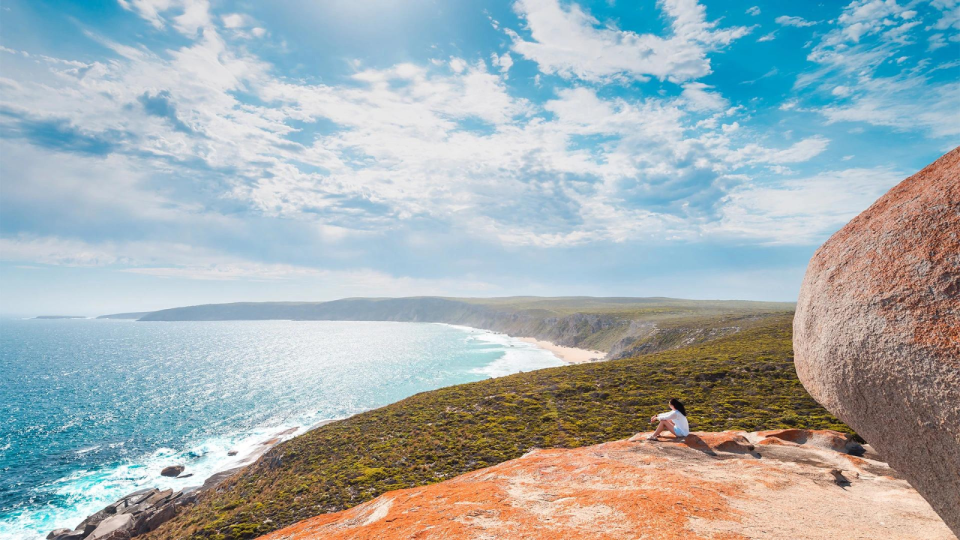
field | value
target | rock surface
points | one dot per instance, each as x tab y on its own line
877	330
137	513
172	471
728	485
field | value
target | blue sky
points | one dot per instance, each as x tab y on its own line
157	153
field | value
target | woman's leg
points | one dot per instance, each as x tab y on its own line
664	424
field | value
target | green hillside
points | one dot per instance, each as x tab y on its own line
743	381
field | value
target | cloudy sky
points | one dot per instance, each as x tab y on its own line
157	153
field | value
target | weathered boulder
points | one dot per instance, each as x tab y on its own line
118	527
877	330
65	534
172	471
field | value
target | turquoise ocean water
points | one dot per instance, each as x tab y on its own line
91	410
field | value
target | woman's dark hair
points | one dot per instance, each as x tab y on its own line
678	406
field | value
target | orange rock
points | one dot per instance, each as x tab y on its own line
708	486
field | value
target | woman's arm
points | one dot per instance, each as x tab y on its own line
669	415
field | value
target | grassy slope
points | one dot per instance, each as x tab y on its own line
629	307
745	381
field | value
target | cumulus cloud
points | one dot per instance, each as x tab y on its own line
568	41
699	97
444	144
191	15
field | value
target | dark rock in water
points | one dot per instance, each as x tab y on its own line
877	330
232	453
188	475
172	471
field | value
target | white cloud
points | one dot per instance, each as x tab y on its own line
767	37
868	37
841	91
803	210
405	148
458	65
181	261
699	97
56	251
904	105
865	17
799	22
568	41
730	128
503	61
753	11
799	152
235	20
194	15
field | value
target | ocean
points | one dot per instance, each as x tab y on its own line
91	410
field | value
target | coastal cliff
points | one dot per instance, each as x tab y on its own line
620	327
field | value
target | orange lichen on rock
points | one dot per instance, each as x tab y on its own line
708	486
822	438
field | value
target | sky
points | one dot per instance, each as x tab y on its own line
161	153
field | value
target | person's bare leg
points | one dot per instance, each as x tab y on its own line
664	424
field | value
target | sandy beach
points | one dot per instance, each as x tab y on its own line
570	355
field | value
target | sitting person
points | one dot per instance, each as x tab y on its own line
675	421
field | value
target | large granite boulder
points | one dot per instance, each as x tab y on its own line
877	330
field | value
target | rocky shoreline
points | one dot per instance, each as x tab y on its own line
138	513
146	509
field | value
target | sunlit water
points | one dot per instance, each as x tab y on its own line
91	410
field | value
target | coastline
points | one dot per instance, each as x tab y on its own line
150	507
196	480
570	355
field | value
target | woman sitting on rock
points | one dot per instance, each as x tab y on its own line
675	421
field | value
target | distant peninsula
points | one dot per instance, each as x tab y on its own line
128	316
618	326
53	317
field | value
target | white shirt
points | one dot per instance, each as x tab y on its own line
679	422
